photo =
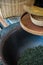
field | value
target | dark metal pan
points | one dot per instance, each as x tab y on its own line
14	40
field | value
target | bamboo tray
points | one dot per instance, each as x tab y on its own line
28	26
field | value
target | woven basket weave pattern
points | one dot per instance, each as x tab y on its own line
12	7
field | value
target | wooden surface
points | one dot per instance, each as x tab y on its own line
28	26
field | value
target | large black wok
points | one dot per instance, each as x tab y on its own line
14	40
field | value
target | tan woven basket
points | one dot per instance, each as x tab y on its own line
12	7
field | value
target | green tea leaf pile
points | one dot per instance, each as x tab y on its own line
32	56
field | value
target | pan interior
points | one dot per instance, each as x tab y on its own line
17	43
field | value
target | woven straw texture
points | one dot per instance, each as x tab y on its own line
13	7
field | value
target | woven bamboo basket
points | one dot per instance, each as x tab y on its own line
13	7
